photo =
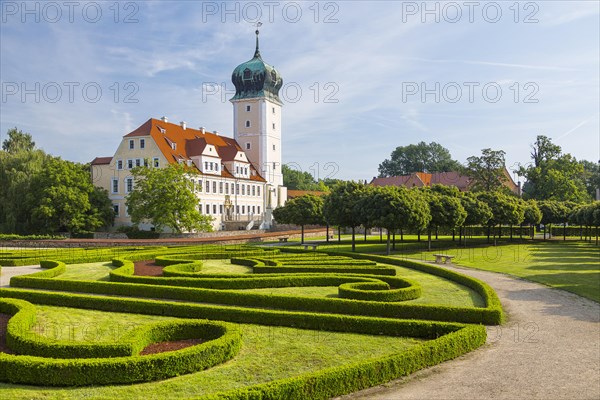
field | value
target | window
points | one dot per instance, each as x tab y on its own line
273	147
253	209
237	188
116	209
247	74
273	110
273	125
217	167
248	190
206	165
119	164
142	143
208	208
221	187
258	209
129	185
253	190
226	188
237	169
237	209
246	171
243	190
274	166
200	185
243	209
207	186
214	186
258	191
214	208
115	185
200	208
155	161
247	108
220	208
145	162
247	146
247	124
131	144
129	164
138	162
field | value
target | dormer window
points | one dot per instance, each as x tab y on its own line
274	76
247	74
162	130
174	146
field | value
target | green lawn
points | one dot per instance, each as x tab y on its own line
571	266
267	353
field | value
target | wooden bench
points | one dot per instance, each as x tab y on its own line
312	246
282	240
442	258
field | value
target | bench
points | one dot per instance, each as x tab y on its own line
281	240
312	246
443	258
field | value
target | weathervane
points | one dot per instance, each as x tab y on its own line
257	52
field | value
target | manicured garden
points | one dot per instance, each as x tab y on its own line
279	323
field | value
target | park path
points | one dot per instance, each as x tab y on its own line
9	272
548	349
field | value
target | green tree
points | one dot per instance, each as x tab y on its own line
532	215
298	180
339	207
487	171
18	141
478	212
303	210
591	177
505	210
553	175
446	211
420	157
164	197
61	198
392	208
101	207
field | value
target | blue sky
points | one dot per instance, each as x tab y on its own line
360	78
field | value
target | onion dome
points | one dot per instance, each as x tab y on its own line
255	78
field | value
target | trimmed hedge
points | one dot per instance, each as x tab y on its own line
260	266
224	342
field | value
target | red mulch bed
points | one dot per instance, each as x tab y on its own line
170	346
3	323
147	268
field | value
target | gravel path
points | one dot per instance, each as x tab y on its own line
9	272
548	349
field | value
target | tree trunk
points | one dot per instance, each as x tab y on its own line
401	235
302	239
453	235
380	235
353	239
564	231
521	231
509	231
429	239
580	232
394	240
339	234
365	235
388	243
327	233
436	232
489	228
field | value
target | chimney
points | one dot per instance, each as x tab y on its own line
183	125
164	119
216	133
202	130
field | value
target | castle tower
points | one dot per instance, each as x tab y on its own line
257	121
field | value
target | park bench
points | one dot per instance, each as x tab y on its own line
442	258
283	239
312	246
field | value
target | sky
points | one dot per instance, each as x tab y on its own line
360	78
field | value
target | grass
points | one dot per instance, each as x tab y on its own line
567	265
268	353
97	271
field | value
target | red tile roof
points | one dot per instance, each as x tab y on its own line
102	160
190	142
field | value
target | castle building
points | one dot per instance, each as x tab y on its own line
239	179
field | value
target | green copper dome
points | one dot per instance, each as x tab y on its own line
256	78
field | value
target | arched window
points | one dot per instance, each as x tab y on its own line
247	74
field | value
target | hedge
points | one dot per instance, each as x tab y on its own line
259	266
224	342
492	302
233	298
